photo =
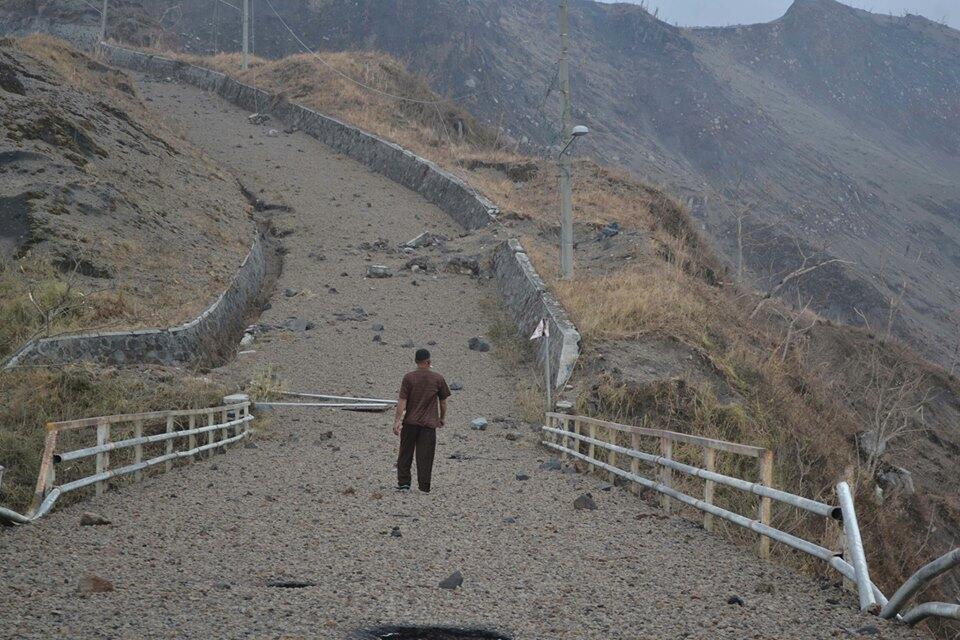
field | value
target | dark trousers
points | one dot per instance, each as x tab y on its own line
422	442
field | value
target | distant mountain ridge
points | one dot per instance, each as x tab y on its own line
830	132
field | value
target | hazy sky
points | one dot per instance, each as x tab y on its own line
697	13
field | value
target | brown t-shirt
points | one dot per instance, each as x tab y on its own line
423	389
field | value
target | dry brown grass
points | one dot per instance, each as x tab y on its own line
30	398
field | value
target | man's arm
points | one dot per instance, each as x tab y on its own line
398	415
443	411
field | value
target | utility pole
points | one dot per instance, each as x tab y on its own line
566	197
246	34
103	22
216	26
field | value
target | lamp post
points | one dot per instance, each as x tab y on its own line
566	204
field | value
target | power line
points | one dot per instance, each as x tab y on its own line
234	7
91	6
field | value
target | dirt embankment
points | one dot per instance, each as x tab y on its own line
107	218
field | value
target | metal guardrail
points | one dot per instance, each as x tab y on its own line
568	441
224	426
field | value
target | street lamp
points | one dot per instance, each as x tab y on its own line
566	204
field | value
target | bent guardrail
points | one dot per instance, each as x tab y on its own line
565	437
128	438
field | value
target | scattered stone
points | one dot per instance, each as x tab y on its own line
478	424
735	600
251	445
606	486
395	532
477	344
376	495
453	581
290	293
459	455
247	340
432	343
90	585
379	245
612	229
326	436
455	385
298	325
871	444
290	130
408	344
522	477
379	271
511	437
425	239
552	464
273	133
91	519
510	521
258	118
377	327
420	263
585	503
868	630
898	479
357	314
465	266
377	338
349	491
221	586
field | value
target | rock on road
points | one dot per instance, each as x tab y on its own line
193	553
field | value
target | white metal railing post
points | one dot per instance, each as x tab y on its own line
855	546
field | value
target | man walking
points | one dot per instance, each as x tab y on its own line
421	410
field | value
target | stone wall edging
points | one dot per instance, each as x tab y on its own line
519	285
529	300
193	341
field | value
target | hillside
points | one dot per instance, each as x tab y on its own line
106	218
831	132
666	340
109	220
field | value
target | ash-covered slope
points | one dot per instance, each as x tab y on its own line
832	132
94	185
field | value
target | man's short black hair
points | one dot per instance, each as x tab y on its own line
422	356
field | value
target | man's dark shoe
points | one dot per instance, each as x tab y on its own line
427	490
403	488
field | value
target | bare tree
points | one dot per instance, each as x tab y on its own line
807	265
895	398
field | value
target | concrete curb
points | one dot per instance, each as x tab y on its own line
529	301
194	341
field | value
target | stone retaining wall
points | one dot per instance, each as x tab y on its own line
529	301
204	338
